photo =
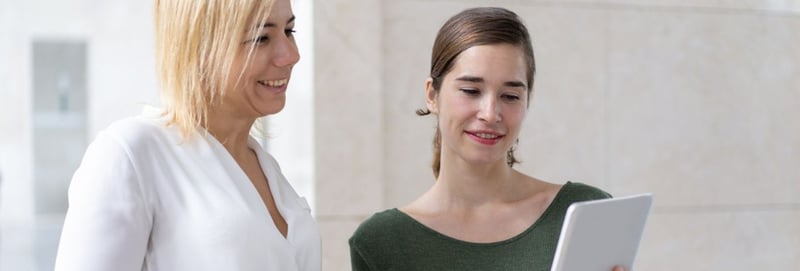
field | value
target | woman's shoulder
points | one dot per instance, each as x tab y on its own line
137	128
124	134
381	239
140	133
379	224
381	220
577	191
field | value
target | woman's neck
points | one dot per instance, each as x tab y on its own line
462	184
231	131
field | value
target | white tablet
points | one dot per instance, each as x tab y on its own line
600	234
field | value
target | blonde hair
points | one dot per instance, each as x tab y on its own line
196	44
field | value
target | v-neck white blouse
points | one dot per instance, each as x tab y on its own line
143	199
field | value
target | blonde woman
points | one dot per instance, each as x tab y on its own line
188	188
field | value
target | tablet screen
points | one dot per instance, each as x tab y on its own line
600	234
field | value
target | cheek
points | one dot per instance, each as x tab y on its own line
456	115
518	112
258	61
458	108
515	117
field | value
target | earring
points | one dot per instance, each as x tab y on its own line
510	159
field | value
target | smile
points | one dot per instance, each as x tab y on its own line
486	138
486	135
274	83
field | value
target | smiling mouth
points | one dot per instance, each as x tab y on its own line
486	138
273	83
486	135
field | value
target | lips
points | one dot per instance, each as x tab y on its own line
274	83
485	137
278	85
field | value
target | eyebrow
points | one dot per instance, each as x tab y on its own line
475	79
268	24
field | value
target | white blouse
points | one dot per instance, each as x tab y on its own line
143	199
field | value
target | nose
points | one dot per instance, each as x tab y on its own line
490	110
285	53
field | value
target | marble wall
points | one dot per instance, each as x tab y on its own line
690	100
349	120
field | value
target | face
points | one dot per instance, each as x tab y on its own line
261	90
481	104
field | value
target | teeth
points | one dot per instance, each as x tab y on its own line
486	136
274	83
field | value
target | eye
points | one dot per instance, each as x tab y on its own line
260	39
510	97
289	32
470	91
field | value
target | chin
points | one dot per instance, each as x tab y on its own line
271	112
271	109
486	159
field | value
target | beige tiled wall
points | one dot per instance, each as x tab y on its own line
684	104
723	238
695	101
348	121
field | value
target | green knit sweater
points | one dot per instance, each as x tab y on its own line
392	240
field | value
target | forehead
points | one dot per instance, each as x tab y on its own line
281	11
494	61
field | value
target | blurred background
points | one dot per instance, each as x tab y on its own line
695	101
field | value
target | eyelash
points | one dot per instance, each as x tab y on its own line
475	92
511	97
261	39
265	38
470	91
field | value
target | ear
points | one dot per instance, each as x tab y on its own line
431	97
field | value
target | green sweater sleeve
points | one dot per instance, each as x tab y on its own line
357	261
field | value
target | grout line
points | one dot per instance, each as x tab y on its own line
342	217
684	8
762	10
727	208
607	83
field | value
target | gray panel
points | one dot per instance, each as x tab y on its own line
59	116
